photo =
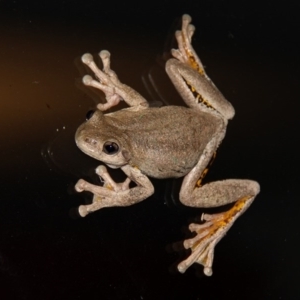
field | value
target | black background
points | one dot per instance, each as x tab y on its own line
251	52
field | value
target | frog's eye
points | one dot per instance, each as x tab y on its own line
89	114
110	148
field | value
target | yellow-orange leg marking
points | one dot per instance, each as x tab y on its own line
217	221
209	234
199	181
193	63
199	98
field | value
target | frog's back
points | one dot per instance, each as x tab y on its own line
165	142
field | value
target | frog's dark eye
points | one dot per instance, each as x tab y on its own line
110	148
89	114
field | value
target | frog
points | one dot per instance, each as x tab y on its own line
164	142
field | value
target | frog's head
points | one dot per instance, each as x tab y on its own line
102	141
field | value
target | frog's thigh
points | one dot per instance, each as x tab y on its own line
175	70
189	82
218	193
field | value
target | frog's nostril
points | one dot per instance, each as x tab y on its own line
90	141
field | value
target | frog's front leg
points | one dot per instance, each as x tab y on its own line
213	194
108	82
115	194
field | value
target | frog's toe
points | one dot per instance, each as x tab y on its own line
202	253
87	58
186	18
79	187
100	170
178	55
190	31
104	54
82	210
203	244
97	204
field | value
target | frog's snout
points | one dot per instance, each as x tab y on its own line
90	142
83	140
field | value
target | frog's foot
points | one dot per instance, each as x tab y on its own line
103	195
202	246
108	80
99	192
185	52
209	234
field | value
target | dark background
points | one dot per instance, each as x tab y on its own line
251	52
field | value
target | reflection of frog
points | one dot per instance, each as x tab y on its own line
171	141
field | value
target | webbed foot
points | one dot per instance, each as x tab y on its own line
185	52
209	234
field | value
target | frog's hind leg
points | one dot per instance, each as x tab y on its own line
188	76
218	193
197	91
213	194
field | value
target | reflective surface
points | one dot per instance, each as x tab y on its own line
46	252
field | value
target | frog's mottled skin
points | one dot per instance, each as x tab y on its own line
149	138
164	142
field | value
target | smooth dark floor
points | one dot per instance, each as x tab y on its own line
250	51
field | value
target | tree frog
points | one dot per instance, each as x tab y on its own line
165	142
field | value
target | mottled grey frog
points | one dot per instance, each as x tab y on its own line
170	141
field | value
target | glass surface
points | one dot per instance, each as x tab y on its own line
46	250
